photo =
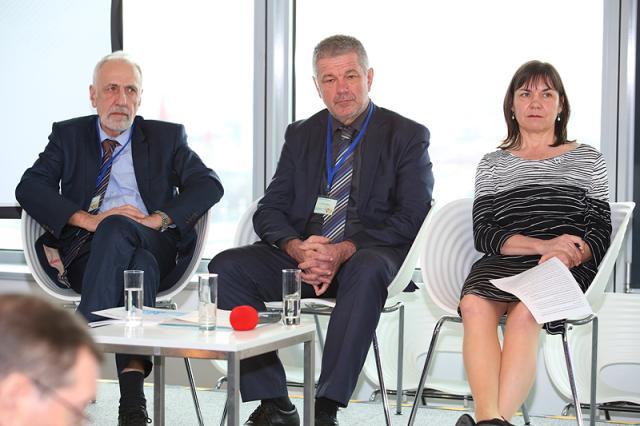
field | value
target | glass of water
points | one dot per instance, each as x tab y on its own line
291	292
207	301
133	296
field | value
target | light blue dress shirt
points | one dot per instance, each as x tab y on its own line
123	187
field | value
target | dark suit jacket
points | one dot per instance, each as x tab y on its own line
170	176
395	184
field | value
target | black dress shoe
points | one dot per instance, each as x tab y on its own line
465	420
324	418
494	422
133	416
268	414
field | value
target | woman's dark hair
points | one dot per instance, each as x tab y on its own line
527	75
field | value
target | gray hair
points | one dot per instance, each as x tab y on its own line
118	55
339	45
41	340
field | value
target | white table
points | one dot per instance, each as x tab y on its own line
161	341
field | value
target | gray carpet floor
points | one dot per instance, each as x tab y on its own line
180	410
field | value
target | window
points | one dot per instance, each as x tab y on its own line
197	64
49	50
447	65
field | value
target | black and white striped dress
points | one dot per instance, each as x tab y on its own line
567	194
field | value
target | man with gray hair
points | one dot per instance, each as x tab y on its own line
352	187
115	192
48	364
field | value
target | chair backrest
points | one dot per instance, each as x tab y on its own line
31	231
245	234
620	216
404	274
448	253
202	231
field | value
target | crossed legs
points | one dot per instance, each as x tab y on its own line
500	378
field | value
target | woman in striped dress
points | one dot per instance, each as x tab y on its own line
538	196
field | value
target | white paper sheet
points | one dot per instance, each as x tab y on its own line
156	316
549	291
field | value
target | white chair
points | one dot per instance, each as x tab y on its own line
615	334
31	231
245	234
447	259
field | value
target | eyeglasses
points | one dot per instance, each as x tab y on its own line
79	415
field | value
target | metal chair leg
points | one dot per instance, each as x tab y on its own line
572	380
400	360
224	413
383	390
194	395
525	414
594	371
316	318
423	376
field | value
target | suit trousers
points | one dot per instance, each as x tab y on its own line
251	275
120	243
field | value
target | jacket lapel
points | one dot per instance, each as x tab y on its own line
140	155
372	144
316	160
92	163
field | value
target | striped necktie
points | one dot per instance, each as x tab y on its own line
333	225
82	236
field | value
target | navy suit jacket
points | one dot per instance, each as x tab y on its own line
395	186
170	176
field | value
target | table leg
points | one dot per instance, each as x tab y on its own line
309	382
233	390
158	390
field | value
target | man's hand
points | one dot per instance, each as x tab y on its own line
322	261
90	222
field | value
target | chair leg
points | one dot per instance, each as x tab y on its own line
400	360
383	390
423	376
316	319
594	371
224	412
194	395
572	380
525	414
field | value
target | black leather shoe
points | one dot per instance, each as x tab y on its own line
494	422
133	416
465	420
268	414
324	418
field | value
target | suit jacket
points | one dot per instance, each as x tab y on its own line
170	176
395	186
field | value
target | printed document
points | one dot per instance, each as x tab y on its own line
549	291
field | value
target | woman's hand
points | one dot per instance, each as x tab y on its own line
570	249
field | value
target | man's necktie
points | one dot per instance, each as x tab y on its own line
82	236
333	225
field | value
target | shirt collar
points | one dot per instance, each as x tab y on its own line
122	138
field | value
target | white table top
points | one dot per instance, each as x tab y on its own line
175	340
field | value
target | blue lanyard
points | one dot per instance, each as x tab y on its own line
331	169
103	171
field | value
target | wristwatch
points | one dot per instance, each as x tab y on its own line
165	220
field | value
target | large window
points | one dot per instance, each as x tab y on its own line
197	63
48	51
447	65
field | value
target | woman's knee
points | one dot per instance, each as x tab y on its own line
474	308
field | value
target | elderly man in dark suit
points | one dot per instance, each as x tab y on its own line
115	191
369	167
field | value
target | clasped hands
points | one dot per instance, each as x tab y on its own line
570	249
90	222
319	259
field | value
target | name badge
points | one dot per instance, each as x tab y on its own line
95	202
325	205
